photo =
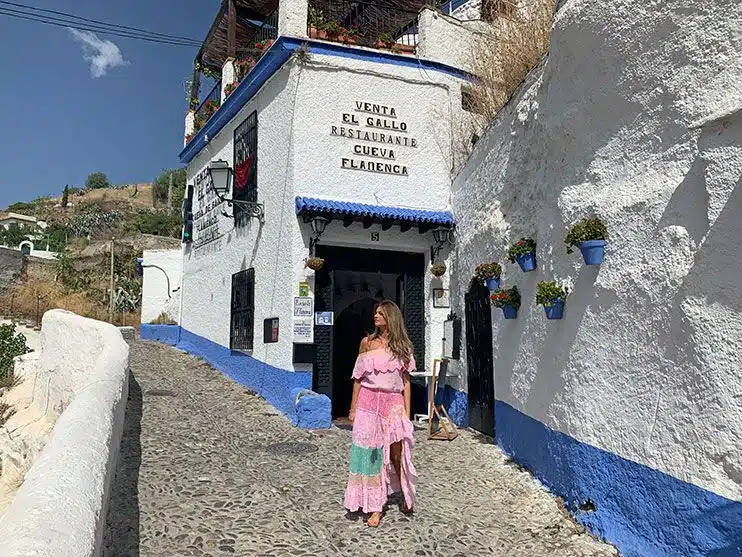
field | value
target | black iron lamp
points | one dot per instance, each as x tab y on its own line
221	174
441	236
318	225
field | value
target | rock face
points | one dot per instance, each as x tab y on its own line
632	401
11	267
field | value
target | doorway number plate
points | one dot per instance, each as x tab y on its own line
324	318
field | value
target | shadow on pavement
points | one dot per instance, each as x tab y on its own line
122	523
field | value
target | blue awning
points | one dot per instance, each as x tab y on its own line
308	207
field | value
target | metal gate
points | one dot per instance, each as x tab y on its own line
479	360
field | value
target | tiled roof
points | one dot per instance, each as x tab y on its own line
340	209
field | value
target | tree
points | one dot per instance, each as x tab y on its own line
14	236
96	181
66	196
23	208
162	183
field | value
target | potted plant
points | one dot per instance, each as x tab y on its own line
508	300
550	295
188	137
384	41
315	263
524	252
489	274
333	30
590	236
438	269
243	66
316	23
262	46
230	87
348	34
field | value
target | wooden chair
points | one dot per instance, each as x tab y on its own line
445	429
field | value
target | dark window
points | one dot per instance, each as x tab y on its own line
245	186
468	101
243	310
188	215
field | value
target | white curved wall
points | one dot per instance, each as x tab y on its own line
635	117
60	510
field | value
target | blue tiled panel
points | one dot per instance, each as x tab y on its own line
309	205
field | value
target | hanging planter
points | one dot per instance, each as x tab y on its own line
550	295
590	236
489	274
524	252
315	263
438	269
508	300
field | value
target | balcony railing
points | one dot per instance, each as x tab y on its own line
209	105
363	23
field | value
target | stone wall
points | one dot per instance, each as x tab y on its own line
11	268
631	402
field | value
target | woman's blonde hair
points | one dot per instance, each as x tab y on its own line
399	342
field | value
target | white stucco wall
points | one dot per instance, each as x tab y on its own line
448	40
635	118
155	296
60	510
299	156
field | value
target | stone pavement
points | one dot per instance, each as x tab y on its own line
200	474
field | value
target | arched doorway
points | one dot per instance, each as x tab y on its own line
479	359
26	248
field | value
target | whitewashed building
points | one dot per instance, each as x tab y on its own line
335	149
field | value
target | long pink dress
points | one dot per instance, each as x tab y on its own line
380	421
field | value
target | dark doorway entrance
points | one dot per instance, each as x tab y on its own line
350	284
479	360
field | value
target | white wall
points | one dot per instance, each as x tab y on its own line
156	298
635	118
299	156
60	510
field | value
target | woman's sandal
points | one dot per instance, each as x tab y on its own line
404	509
374	520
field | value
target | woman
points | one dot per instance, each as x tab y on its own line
381	455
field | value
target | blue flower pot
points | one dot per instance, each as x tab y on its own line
510	312
593	251
555	310
493	284
527	262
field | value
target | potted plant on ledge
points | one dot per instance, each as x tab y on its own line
524	252
590	236
508	300
552	296
438	269
230	87
489	274
316	23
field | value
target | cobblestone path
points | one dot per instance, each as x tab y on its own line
197	476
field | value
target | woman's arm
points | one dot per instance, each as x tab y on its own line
407	394
356	388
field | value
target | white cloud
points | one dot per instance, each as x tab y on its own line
102	54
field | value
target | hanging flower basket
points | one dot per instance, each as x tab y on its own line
552	296
508	300
315	263
524	252
590	236
489	274
438	269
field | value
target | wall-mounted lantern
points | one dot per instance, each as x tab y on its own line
318	225
221	181
221	176
441	236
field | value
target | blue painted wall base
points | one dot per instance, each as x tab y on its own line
643	512
457	406
275	385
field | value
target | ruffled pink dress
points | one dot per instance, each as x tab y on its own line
380	421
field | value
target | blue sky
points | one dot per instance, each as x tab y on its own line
60	123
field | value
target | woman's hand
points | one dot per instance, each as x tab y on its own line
352	415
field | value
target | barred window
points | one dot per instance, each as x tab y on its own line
246	162
241	331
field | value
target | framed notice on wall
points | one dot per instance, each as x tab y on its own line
441	298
